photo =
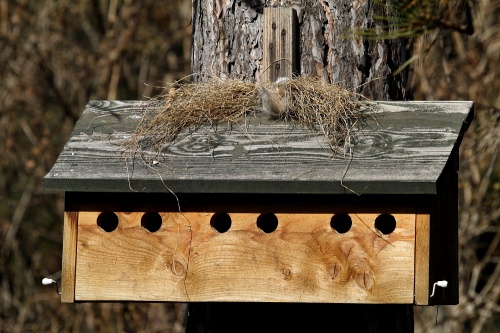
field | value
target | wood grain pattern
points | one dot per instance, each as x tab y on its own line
422	245
303	260
403	152
70	236
280	42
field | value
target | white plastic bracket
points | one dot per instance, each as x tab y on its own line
442	284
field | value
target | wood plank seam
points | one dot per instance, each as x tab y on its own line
188	256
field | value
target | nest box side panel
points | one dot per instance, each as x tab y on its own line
443	261
422	244
70	236
187	259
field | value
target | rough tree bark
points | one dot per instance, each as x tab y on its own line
227	42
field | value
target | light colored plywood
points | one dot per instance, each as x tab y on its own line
70	234
131	263
422	241
303	260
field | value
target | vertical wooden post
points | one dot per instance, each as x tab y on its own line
280	43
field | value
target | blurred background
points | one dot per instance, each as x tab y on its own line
56	55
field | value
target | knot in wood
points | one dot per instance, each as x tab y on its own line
177	268
335	271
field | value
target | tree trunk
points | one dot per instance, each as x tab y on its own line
228	42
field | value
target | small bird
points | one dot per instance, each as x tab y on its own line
273	98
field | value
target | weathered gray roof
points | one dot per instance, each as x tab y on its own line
403	152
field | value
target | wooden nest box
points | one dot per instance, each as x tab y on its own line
263	212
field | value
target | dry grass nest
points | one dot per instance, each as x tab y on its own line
324	108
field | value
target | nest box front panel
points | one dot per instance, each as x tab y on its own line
171	256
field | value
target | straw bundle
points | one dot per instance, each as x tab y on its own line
325	108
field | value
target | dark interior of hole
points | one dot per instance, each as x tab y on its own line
341	223
385	223
267	222
221	222
107	221
151	221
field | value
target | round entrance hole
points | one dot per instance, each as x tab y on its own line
221	222
107	221
341	223
267	222
385	223
151	221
